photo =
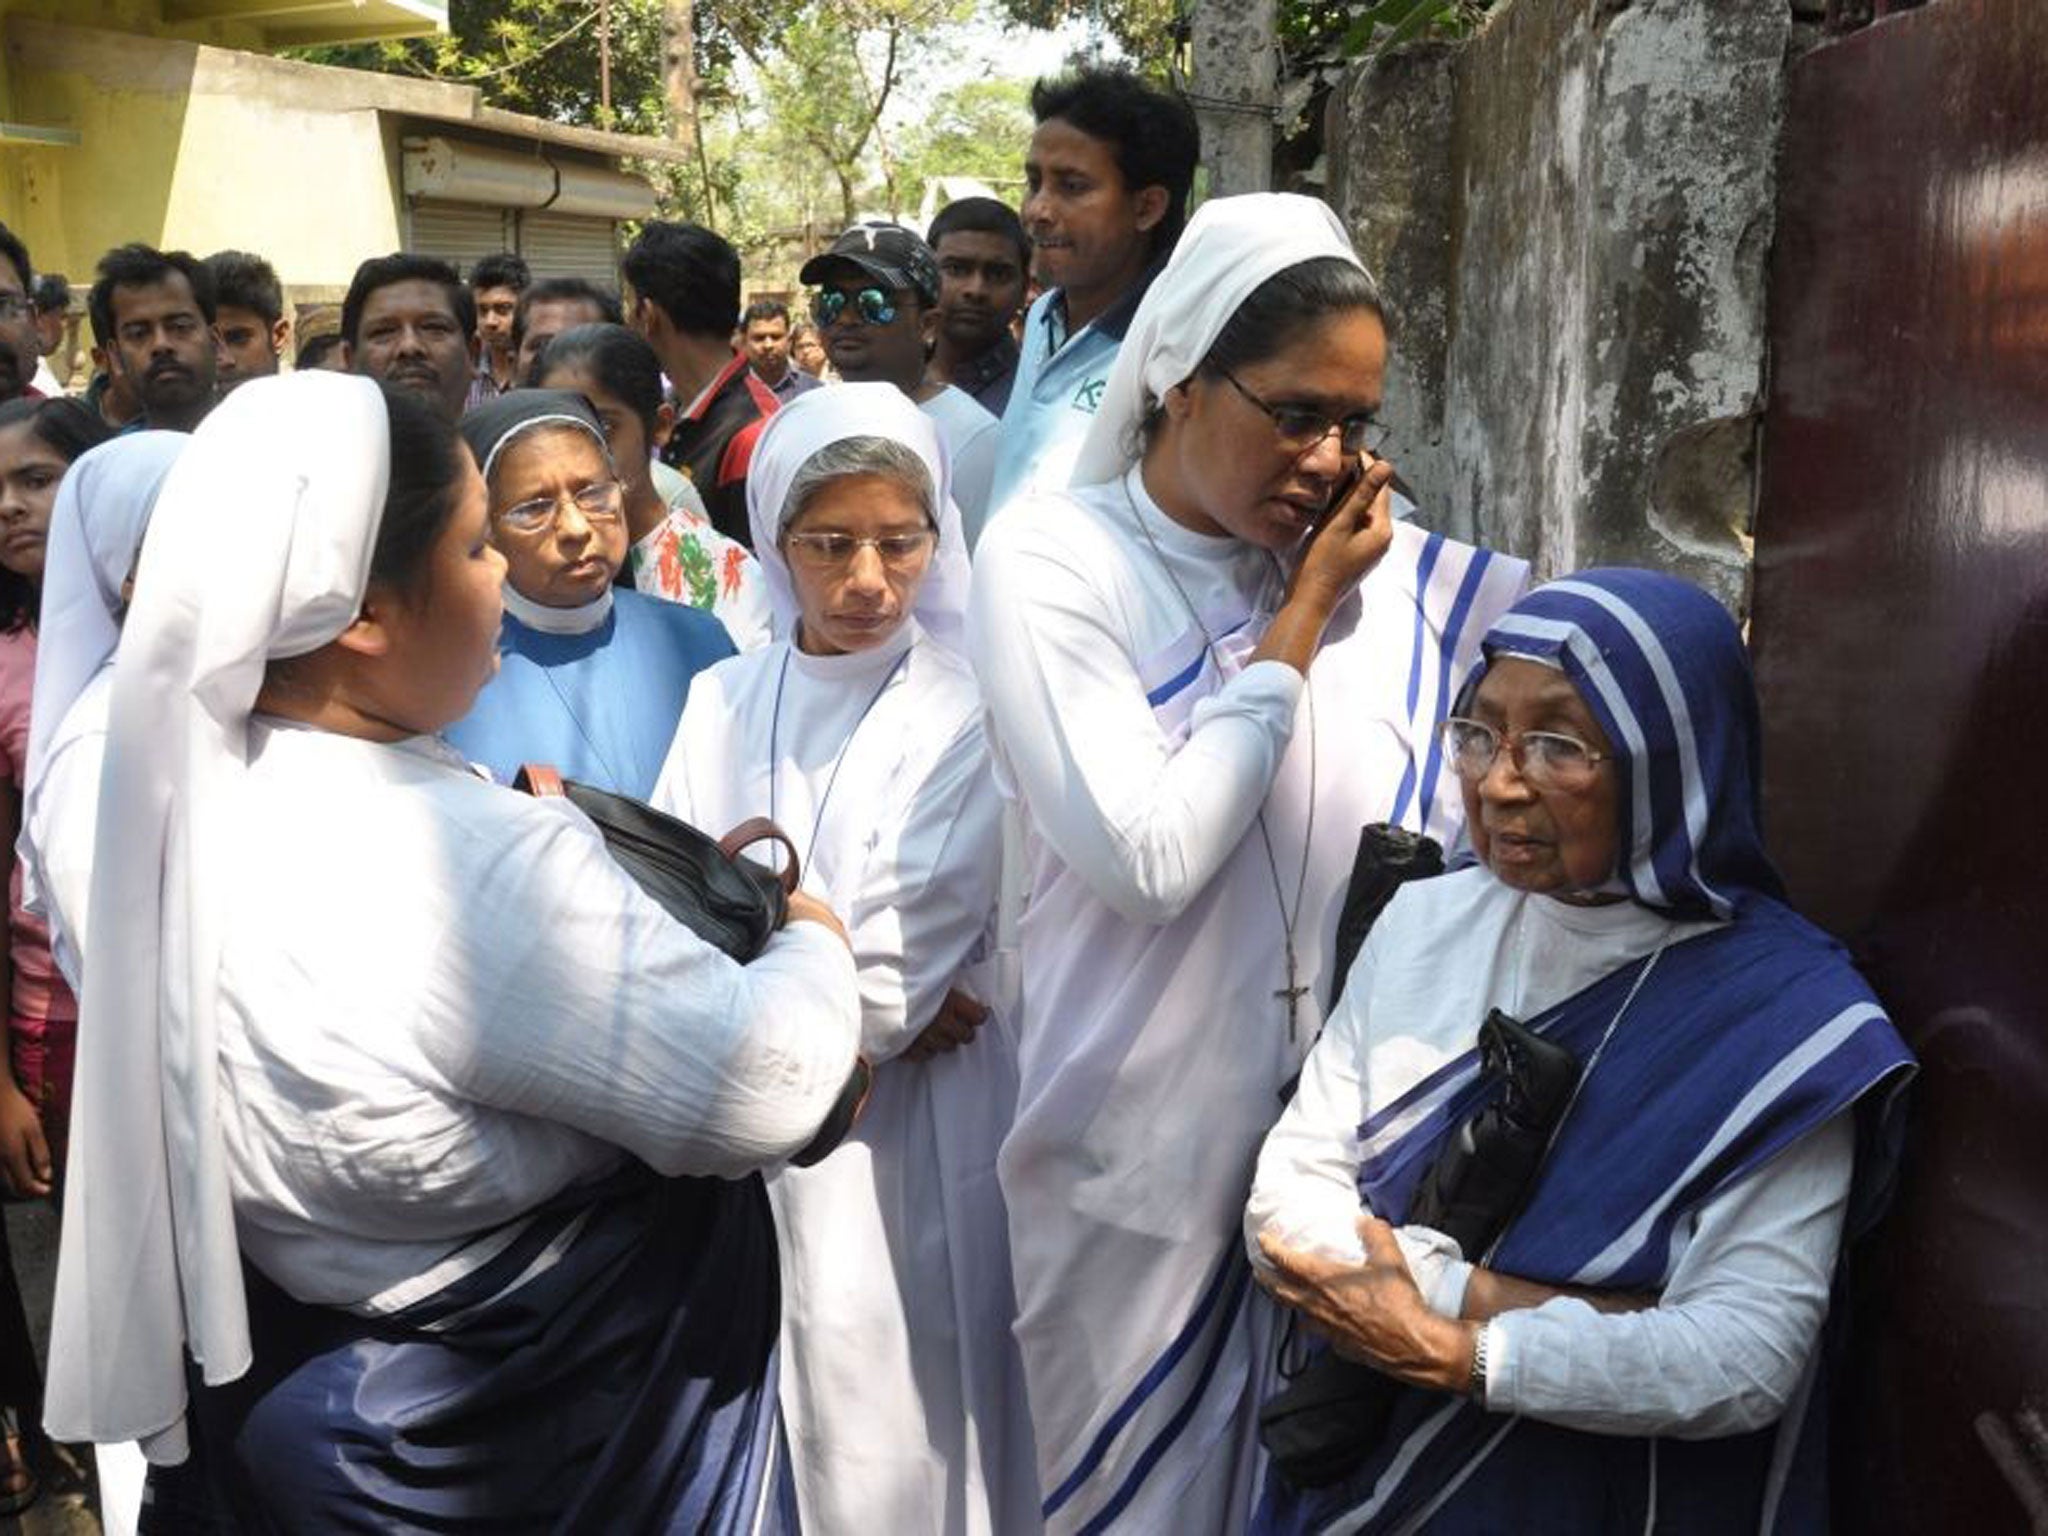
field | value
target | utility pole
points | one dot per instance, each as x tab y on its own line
679	90
1236	52
604	62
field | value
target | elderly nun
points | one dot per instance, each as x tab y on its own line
592	675
1206	665
1638	1347
860	732
394	1121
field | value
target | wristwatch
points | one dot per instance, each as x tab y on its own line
1475	1385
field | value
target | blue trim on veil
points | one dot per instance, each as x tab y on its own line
1742	1040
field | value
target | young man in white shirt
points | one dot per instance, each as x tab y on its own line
1108	170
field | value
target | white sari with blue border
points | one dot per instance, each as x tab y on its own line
1154	1044
1741	1041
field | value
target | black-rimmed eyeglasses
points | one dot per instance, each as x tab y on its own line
1300	428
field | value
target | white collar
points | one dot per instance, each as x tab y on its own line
580	620
845	666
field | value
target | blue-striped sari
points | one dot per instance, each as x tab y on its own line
612	1369
1742	1040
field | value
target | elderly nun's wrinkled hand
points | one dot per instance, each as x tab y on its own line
1372	1313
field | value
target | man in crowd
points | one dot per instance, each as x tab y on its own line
765	331
52	297
408	321
18	346
248	317
684	297
1108	173
983	258
877	303
552	306
495	285
153	312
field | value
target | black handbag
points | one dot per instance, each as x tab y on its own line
702	882
1327	1420
1388	857
731	902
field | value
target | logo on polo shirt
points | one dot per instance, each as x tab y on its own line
1089	396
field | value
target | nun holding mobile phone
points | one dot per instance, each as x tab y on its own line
1206	665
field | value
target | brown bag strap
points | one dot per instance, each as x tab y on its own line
759	829
538	779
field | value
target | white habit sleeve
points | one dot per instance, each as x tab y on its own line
1145	822
1305	1189
927	897
595	1008
1723	1351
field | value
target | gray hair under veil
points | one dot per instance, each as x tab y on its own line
791	449
880	456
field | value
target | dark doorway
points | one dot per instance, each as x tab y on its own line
1901	631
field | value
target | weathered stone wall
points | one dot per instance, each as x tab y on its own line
1571	213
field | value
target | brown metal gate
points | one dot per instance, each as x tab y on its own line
1901	630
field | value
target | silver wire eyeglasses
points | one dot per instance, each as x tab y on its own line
827	551
1547	759
601	501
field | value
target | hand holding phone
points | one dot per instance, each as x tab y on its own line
1353	532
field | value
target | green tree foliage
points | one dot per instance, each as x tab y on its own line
979	129
1151	33
535	56
1318	29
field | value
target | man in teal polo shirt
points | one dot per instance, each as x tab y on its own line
1108	172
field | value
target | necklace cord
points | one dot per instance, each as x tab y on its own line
1289	921
775	739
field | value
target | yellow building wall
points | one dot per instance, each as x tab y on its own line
195	148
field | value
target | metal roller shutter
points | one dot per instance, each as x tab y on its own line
569	245
462	233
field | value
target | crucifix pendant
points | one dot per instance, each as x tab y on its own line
1291	995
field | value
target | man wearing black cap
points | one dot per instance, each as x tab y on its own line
877	306
683	295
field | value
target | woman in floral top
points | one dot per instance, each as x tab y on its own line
675	552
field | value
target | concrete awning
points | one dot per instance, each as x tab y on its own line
471	113
305	23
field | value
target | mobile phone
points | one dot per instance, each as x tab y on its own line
1347	482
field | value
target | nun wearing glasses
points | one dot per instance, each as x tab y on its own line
860	733
592	676
1639	1347
1207	664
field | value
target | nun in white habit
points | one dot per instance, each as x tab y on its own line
1207	664
96	533
392	1121
860	732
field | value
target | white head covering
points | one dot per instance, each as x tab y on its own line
103	507
819	418
1230	246
260	548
